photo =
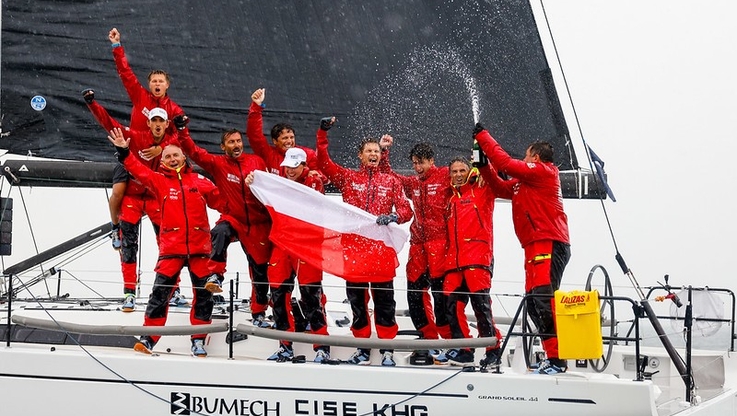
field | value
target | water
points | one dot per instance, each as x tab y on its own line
435	88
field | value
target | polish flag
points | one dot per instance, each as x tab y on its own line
329	234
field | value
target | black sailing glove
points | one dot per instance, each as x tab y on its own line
89	95
326	123
181	121
478	129
386	219
122	153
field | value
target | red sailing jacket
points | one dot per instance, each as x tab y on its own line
229	175
143	100
311	181
367	188
183	197
272	155
429	197
470	233
537	202
139	140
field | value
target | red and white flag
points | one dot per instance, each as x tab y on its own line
327	233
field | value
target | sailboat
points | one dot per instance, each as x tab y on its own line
420	70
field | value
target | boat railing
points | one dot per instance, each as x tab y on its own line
670	295
610	337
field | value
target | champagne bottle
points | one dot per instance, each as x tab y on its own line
478	158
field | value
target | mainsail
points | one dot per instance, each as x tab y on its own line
419	70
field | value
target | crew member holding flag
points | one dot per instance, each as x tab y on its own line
284	268
379	194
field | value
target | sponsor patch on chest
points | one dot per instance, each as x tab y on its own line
233	178
173	194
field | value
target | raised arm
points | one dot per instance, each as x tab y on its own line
132	86
385	166
325	164
99	112
501	188
255	126
500	158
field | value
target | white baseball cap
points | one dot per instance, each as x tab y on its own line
157	112
294	157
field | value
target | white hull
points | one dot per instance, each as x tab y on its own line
71	381
116	380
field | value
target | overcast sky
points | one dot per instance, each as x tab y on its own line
653	84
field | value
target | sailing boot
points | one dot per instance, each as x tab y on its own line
129	304
145	345
491	363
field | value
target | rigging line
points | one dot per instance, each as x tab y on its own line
72	256
98	361
33	235
578	123
89	249
28	219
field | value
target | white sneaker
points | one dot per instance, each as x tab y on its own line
360	357
129	304
260	321
322	356
387	360
198	348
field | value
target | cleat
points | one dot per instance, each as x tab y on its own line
322	356
129	304
145	346
551	366
115	236
387	360
260	321
460	357
198	348
214	284
360	357
421	357
284	353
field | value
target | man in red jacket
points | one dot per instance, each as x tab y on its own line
379	194
282	136
284	269
429	191
541	226
137	201
243	218
143	101
185	236
469	260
